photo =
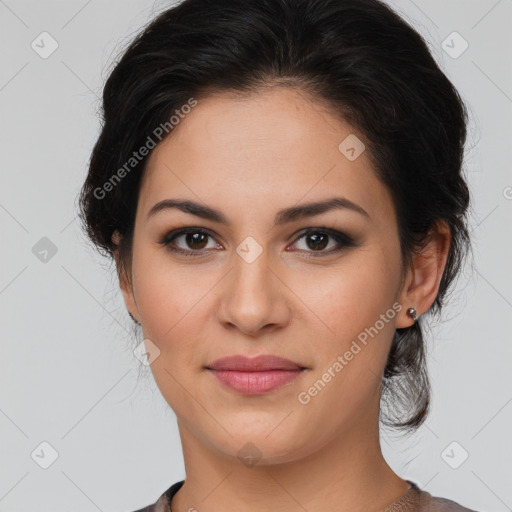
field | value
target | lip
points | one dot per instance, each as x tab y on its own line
257	375
254	364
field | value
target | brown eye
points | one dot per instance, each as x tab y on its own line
317	241
190	241
196	240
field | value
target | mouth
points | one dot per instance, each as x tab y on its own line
255	376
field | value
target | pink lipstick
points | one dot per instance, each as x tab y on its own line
255	376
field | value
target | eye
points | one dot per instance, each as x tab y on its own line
193	241
317	240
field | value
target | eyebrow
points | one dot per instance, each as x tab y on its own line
284	216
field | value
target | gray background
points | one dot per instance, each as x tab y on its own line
68	376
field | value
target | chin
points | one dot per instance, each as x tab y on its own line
267	445
260	452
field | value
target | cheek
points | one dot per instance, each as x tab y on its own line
352	341
168	296
170	305
358	324
175	303
351	297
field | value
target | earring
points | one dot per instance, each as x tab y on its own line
412	313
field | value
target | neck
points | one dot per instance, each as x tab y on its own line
348	473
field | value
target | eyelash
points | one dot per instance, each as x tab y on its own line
341	238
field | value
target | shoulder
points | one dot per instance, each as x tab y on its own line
438	504
429	503
163	503
420	500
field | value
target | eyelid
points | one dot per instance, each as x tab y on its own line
342	239
167	239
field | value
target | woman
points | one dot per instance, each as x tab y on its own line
280	183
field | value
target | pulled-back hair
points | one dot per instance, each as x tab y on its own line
361	59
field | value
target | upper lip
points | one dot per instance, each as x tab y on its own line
254	364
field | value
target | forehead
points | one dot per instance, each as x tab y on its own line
269	148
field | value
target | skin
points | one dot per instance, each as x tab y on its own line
248	158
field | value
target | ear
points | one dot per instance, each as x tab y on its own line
421	284
126	287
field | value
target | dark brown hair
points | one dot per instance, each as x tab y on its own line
360	58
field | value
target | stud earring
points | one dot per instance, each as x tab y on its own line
412	313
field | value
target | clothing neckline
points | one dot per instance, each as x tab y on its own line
413	488
403	499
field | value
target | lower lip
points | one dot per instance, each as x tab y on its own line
255	383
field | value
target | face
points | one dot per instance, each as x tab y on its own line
318	286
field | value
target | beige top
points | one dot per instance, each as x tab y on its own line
413	500
418	500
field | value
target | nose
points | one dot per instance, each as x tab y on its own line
254	298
